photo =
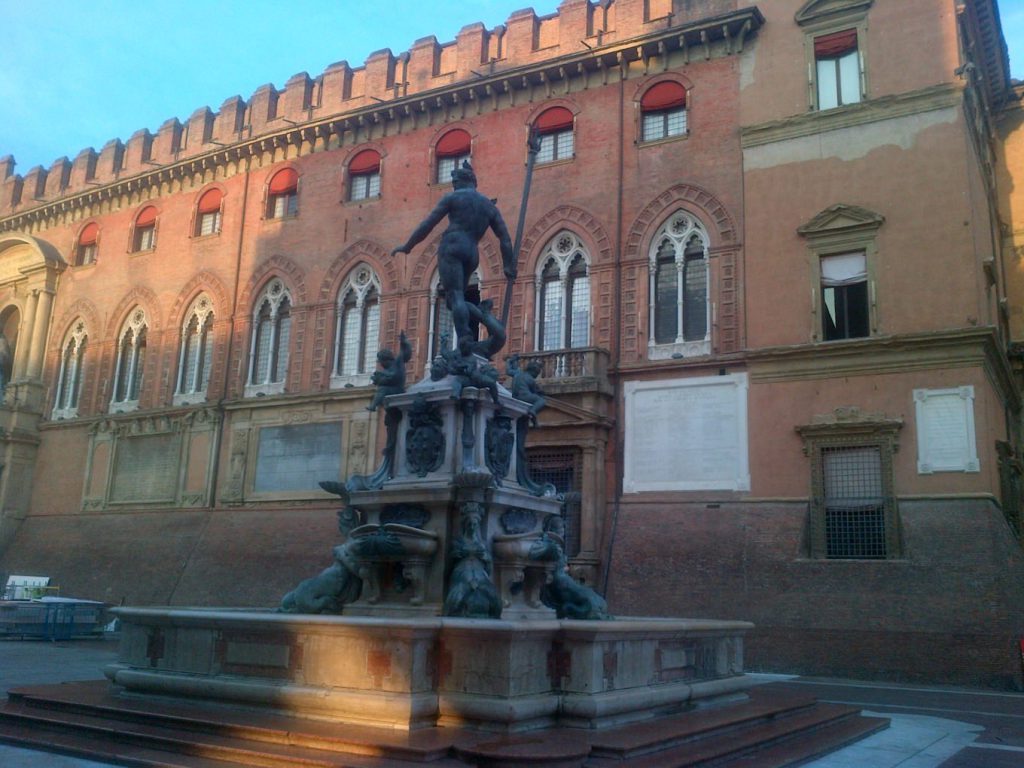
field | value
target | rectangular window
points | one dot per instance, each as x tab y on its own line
365	186
284	206
209	223
552	319
556	146
844	296
837	69
445	166
563	468
663	124
145	238
854	503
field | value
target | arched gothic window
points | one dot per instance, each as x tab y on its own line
442	324
69	379
268	362
358	328
563	294
196	356
131	362
679	279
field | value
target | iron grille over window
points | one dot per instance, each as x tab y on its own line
562	468
854	503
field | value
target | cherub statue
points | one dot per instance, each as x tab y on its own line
390	379
524	385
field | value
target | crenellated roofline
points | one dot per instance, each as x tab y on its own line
600	63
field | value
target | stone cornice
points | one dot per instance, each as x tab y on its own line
721	35
889	354
870	111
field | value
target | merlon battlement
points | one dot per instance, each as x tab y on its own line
525	39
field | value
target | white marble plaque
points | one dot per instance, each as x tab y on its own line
945	430
687	435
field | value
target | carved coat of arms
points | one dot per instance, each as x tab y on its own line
500	443
424	442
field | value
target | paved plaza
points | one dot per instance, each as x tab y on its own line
931	725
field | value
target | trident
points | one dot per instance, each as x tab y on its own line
532	148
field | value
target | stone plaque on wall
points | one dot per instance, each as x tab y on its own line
945	430
297	457
687	435
146	468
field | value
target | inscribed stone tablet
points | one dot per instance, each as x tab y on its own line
687	434
298	456
945	430
146	468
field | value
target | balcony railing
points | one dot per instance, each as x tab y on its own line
569	370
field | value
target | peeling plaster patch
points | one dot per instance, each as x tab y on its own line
847	143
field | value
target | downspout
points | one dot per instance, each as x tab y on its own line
231	339
617	431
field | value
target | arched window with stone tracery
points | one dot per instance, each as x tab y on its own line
679	280
130	371
562	320
272	323
196	355
357	331
69	378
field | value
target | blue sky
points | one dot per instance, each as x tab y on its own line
77	73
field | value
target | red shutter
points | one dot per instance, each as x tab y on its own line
284	181
664	95
210	201
89	235
835	44
367	161
453	144
147	217
554	119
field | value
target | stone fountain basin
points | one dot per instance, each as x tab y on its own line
517	546
416	542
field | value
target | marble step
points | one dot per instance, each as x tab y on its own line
93	720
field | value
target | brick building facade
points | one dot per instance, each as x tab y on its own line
765	268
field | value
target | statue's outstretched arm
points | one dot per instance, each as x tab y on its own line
425	227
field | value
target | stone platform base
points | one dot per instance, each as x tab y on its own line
502	676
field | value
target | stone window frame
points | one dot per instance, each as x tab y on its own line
143	238
210	222
837	230
437	161
564	250
201	312
129	373
849	427
290	196
362	284
363	186
71	373
818	18
679	347
86	251
276	294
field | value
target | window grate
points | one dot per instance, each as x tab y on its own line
563	469
854	503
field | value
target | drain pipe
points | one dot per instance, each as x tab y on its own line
617	430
